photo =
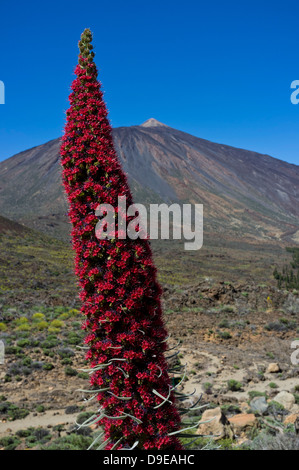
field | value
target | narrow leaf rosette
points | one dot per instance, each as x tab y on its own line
120	296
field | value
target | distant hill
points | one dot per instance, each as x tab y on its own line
10	227
247	196
34	268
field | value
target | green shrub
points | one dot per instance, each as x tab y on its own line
24	432
37	436
38	317
4	406
9	443
14	412
84	417
24	327
288	441
48	366
66	361
83	375
73	312
224	335
207	385
70	371
224	324
23	343
281	326
49	343
233	385
270	355
41	325
228	309
64	316
229	409
71	442
275	406
199	443
58	428
3	327
27	361
57	324
21	321
74	338
22	324
254	394
12	350
18	368
22	334
48	352
31	441
65	353
226	444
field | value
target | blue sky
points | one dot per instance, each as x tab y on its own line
219	70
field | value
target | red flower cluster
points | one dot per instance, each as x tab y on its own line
119	292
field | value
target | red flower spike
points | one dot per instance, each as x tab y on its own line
119	292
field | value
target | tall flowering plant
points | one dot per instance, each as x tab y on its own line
126	336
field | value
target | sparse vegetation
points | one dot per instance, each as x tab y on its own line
9	443
281	325
48	366
28	349
234	385
289	277
70	371
286	441
12	412
254	394
224	335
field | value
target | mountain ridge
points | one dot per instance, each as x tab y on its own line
245	194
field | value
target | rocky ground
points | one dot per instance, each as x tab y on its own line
235	339
236	342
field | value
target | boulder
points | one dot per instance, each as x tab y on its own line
243	422
273	368
292	419
215	424
286	399
259	405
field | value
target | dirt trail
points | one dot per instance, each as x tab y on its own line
48	418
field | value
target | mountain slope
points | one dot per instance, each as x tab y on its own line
8	227
34	268
245	194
